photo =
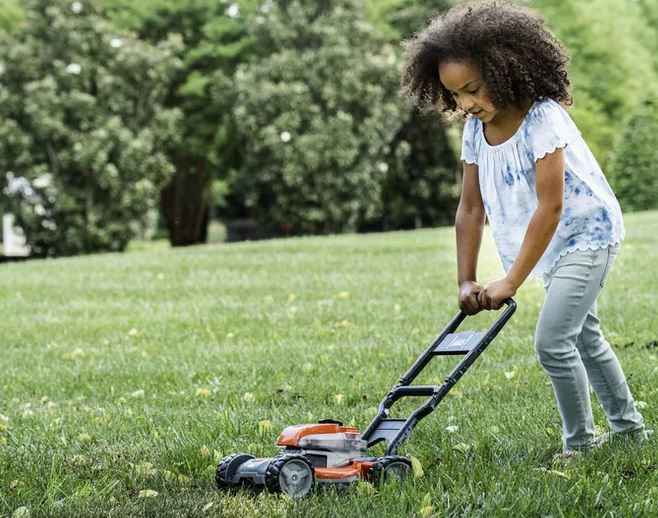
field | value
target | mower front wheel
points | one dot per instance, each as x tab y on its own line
290	474
227	468
391	467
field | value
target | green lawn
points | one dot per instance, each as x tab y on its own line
124	373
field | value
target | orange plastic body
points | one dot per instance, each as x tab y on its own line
356	468
293	434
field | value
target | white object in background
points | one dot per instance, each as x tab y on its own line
13	238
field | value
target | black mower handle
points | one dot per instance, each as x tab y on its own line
395	431
491	333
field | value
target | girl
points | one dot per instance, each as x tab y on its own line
552	212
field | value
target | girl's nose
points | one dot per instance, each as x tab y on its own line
467	105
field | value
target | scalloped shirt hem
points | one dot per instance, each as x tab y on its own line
570	250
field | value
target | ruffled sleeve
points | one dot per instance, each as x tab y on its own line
469	148
549	128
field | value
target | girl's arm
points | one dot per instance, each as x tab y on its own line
549	183
469	223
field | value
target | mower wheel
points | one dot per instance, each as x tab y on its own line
392	467
227	467
291	474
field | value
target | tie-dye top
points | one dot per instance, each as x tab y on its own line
591	216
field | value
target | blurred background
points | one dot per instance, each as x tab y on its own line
197	121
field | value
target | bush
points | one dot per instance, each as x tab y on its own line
634	177
82	128
315	117
606	76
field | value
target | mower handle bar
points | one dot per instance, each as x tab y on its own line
456	321
435	393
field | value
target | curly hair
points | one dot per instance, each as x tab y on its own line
516	55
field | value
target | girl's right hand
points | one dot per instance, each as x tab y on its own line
468	297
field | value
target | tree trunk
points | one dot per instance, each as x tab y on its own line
183	203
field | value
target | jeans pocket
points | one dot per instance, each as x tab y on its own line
611	256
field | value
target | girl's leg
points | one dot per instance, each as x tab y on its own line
606	376
571	290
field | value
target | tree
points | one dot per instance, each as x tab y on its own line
634	176
421	185
216	40
316	119
11	12
82	127
611	63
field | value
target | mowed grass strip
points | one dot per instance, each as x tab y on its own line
125	378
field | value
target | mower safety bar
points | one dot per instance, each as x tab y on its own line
418	390
395	431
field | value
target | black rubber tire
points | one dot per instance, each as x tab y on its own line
272	475
386	468
226	468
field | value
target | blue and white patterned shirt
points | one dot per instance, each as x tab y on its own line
591	217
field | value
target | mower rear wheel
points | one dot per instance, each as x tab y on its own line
291	474
227	467
392	467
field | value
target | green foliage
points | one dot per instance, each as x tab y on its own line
130	15
358	158
634	177
216	40
10	14
649	13
315	118
399	19
214	43
420	188
380	14
612	48
82	127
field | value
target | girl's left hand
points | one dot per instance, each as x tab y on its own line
495	293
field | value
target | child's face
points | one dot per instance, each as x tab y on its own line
468	89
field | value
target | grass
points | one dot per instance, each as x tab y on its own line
126	373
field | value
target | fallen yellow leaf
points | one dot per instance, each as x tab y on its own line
264	425
21	512
462	447
416	467
83	437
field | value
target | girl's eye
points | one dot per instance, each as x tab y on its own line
474	91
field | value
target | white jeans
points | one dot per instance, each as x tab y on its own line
574	353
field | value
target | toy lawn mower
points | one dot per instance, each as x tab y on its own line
329	453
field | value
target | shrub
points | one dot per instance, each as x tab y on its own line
315	117
634	177
82	128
